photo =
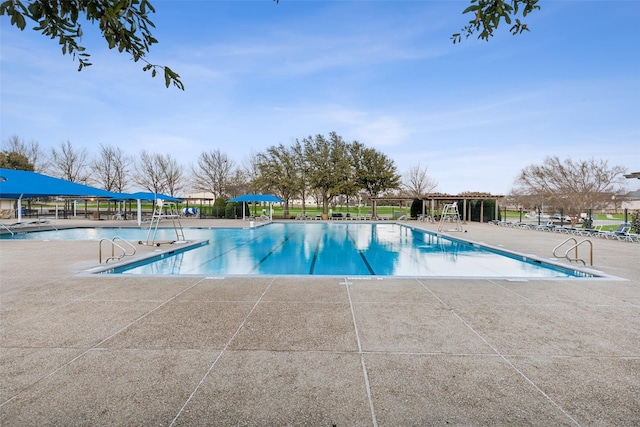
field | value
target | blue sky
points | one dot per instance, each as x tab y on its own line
384	73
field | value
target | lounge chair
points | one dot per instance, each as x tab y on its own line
545	226
30	224
619	234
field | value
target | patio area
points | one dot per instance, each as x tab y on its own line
79	349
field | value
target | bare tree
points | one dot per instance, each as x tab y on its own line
111	169
213	173
148	174
172	174
571	186
238	183
70	163
251	172
30	150
417	183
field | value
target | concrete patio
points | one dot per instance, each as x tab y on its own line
77	349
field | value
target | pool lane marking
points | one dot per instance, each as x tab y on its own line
315	255
204	377
271	252
275	248
233	248
364	258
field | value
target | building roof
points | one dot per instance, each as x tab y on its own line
634	195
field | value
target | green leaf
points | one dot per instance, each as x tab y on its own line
18	20
470	9
36	11
5	6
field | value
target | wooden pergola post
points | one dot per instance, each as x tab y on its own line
464	211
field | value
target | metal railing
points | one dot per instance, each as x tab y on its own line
114	245
6	228
574	247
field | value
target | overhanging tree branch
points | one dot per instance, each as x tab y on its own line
124	24
488	14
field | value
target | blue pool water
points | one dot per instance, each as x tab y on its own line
345	249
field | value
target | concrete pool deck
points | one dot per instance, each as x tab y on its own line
319	351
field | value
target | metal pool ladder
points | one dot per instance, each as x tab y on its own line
6	228
574	247
114	245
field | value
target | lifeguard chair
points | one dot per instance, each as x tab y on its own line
164	210
450	214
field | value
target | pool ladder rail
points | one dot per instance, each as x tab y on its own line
114	245
7	228
574	247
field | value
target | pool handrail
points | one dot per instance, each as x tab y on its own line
113	246
6	228
575	247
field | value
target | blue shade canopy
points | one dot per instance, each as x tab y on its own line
142	195
256	198
16	184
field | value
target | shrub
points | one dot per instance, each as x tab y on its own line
488	210
634	227
230	211
416	208
219	208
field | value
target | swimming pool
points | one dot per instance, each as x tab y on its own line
344	249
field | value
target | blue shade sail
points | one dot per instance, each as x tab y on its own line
18	184
256	198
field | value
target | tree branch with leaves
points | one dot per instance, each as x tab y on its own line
124	24
488	14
